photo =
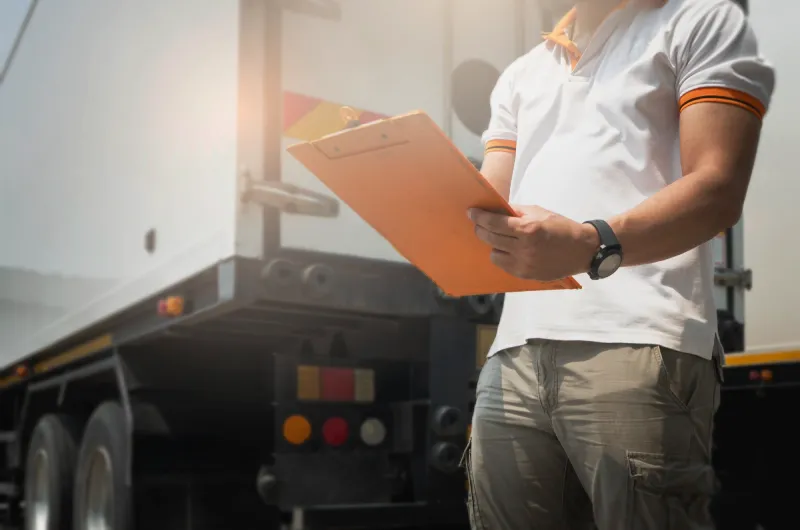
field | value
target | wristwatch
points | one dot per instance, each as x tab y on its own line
609	256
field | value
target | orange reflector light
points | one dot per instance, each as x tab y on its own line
766	375
308	382
335	432
365	385
338	384
21	371
296	429
171	306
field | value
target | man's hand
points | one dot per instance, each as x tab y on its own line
538	245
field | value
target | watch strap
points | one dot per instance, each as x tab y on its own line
608	238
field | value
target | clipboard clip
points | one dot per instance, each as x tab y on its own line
288	198
349	117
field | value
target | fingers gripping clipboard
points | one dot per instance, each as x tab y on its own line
406	179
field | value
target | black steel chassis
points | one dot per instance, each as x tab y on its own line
164	370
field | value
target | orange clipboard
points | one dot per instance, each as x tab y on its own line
407	180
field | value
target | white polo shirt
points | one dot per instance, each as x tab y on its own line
596	133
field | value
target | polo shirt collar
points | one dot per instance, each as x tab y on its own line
559	35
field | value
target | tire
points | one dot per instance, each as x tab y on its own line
100	486
49	473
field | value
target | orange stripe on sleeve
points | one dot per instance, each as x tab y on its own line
509	146
722	95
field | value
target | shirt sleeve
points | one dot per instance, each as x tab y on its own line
717	59
501	135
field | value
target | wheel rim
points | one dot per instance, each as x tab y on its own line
99	495
40	509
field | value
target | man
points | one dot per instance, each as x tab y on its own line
626	142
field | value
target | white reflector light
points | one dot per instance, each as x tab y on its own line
373	431
365	385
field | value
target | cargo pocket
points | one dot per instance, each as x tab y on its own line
472	502
668	493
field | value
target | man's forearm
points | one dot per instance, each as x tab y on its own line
502	185
497	168
680	217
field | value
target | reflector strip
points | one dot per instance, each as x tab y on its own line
749	359
338	384
365	385
316	383
308	383
87	348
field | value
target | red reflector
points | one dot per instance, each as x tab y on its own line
338	384
335	432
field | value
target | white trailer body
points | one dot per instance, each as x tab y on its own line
142	160
117	118
757	255
128	130
119	121
769	247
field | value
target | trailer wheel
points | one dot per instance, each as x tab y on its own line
102	498
49	470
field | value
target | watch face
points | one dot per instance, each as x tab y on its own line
609	265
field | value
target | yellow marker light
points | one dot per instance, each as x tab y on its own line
308	385
175	306
766	375
171	306
364	381
296	429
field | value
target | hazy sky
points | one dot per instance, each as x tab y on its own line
12	13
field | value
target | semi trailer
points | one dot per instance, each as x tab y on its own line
195	333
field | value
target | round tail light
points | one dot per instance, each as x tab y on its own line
372	432
335	432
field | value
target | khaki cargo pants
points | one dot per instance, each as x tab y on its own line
578	435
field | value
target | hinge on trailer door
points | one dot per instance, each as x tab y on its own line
289	198
736	278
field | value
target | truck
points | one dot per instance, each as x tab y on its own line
195	333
